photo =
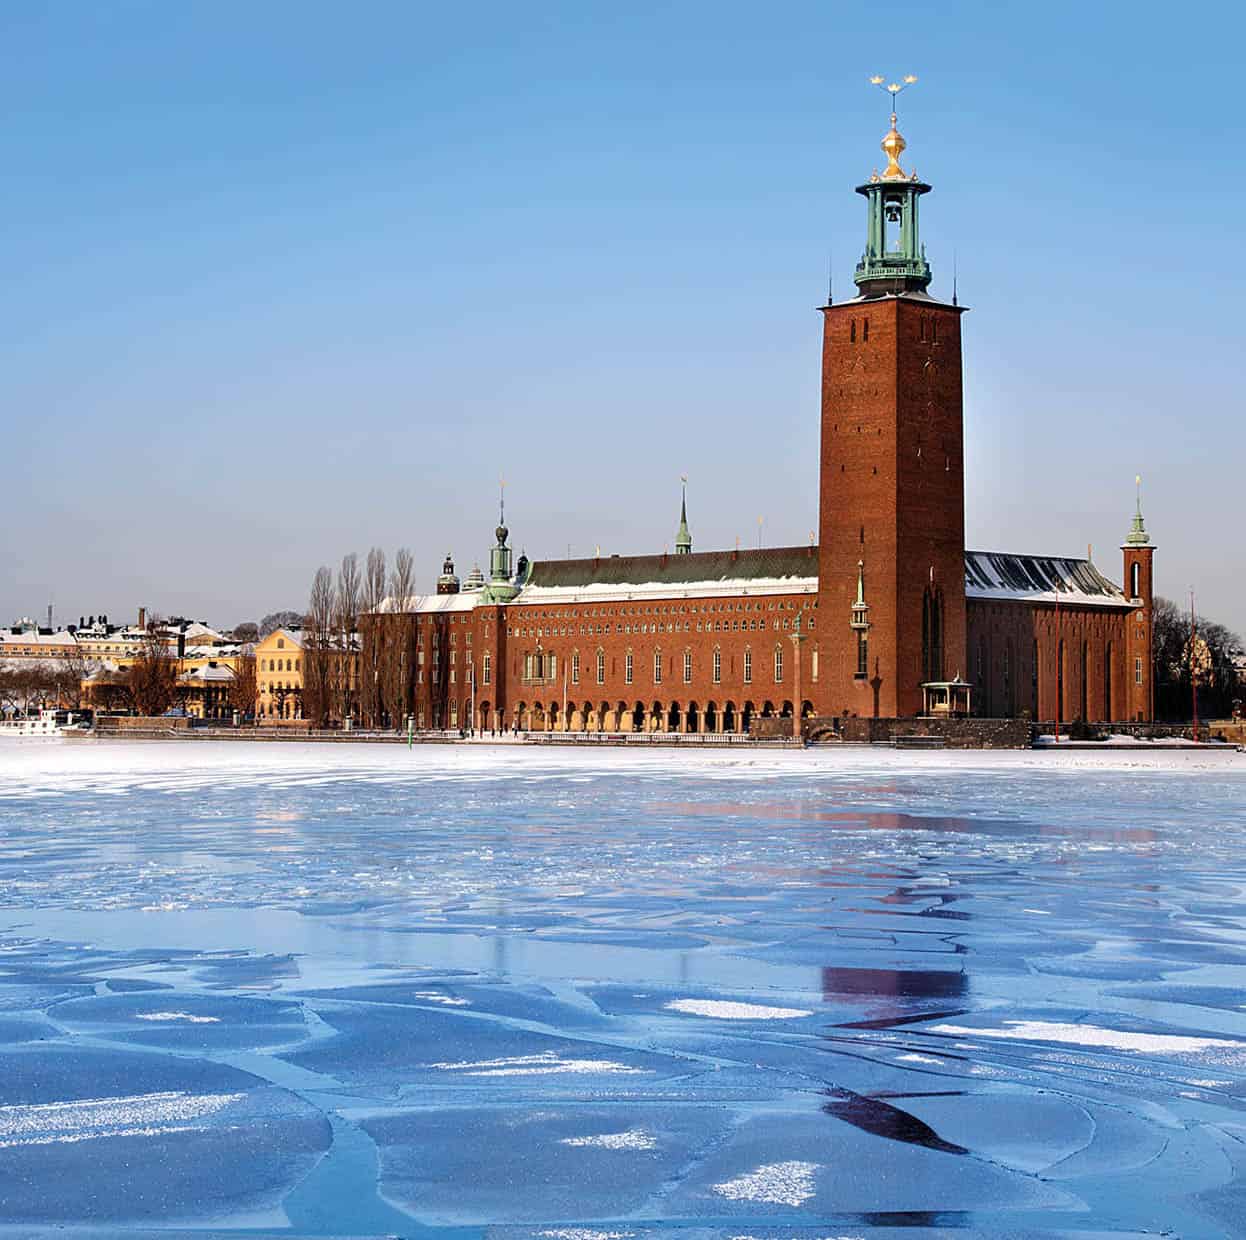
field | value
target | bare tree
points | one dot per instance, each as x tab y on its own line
13	694
402	583
68	674
243	689
1177	658
346	621
248	631
152	677
374	580
317	648
371	628
396	638
280	620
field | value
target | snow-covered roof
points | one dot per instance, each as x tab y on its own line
207	674
997	575
601	592
431	603
228	650
61	638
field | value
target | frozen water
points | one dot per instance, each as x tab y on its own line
363	991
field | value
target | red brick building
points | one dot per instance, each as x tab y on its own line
888	615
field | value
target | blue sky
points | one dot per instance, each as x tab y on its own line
287	280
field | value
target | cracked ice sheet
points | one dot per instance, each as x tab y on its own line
390	1048
205	1022
868	893
527	1163
805	1166
113	1135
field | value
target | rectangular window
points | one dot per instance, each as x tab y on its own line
778	665
601	668
748	667
453	676
575	668
718	666
627	668
863	657
687	667
486	668
814	664
1137	671
657	667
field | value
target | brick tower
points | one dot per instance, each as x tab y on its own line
1139	688
891	591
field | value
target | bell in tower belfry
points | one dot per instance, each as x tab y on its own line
894	260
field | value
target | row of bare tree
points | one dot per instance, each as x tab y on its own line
348	672
28	687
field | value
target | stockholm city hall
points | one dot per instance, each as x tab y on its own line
887	616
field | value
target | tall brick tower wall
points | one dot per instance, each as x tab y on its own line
1139	553
892	492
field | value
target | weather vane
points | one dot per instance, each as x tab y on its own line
893	88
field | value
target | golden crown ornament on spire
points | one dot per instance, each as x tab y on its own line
893	144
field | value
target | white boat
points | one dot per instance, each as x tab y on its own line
46	723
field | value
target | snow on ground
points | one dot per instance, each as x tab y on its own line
60	767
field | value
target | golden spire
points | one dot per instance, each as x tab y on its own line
893	144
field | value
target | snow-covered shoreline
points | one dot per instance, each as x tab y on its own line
52	767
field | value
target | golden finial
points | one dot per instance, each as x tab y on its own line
893	144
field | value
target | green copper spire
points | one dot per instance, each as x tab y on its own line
683	539
501	587
894	260
1138	537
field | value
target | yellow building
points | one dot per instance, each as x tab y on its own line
279	677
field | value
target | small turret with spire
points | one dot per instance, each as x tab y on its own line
1138	537
501	587
683	539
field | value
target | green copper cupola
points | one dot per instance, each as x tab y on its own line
501	587
894	260
1137	536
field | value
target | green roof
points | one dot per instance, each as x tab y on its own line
674	570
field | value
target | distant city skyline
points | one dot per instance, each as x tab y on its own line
282	291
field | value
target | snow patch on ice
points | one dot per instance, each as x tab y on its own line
780	1184
547	1063
432	996
1092	1035
584	1233
87	1119
632	1139
185	1017
919	1059
722	1009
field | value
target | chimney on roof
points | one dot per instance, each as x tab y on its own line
142	617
